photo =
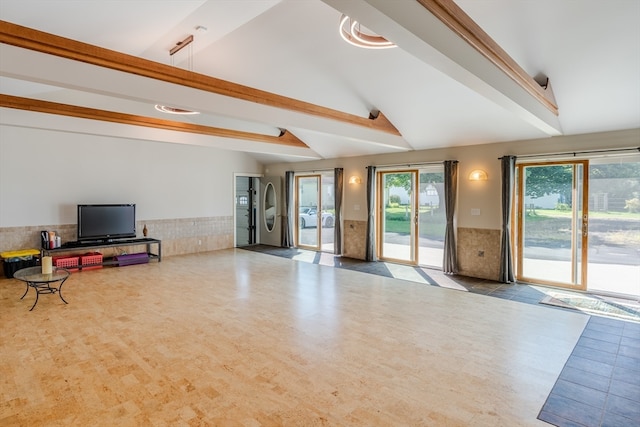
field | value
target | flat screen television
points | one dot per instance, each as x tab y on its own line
106	222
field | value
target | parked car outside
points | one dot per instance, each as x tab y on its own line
308	217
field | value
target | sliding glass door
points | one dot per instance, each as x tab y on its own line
553	223
578	224
614	225
308	198
411	219
315	203
397	225
431	216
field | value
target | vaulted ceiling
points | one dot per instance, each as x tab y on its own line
274	77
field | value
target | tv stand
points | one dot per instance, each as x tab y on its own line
81	246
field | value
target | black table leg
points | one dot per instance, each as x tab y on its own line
25	291
60	291
37	295
45	288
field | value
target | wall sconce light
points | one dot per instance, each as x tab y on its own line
478	175
355	180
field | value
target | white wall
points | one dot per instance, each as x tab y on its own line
45	174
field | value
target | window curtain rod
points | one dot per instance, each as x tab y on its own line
575	153
315	171
408	165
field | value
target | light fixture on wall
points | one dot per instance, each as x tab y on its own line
478	175
352	32
355	180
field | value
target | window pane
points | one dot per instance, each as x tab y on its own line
614	226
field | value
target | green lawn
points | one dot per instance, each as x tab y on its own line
547	227
431	226
553	213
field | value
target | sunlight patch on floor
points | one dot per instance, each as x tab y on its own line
405	273
446	282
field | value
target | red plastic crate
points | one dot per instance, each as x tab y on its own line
70	263
91	261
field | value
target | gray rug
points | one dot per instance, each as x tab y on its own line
610	307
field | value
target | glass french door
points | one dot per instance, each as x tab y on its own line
552	223
315	204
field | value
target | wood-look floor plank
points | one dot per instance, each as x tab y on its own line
237	338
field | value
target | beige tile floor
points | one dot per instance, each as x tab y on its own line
237	338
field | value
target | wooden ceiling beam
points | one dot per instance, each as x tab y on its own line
16	102
28	38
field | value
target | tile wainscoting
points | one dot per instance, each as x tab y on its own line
479	252
192	235
179	236
470	242
354	239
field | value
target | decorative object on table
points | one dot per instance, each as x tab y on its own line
144	231
47	265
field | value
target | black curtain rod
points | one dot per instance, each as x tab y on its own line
411	164
316	170
574	153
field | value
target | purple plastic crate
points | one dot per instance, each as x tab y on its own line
131	259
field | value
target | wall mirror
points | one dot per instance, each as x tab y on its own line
269	207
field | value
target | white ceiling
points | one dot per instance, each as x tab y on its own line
590	50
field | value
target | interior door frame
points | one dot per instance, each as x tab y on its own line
258	214
414	200
584	224
271	237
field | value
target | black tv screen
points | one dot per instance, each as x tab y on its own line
106	222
